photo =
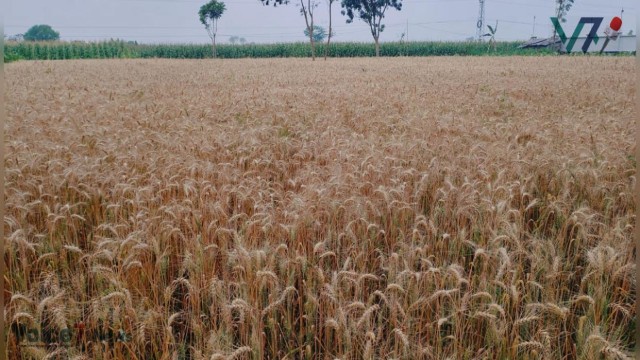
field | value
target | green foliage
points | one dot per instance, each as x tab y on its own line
371	12
492	34
71	50
10	57
210	12
237	39
319	33
492	30
562	8
123	49
41	33
275	2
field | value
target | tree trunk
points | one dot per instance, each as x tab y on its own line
377	38
555	32
313	45
308	15
212	30
326	49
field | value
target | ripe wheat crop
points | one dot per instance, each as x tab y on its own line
436	208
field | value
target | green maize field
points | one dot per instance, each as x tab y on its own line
123	49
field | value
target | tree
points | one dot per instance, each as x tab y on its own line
372	13
318	33
210	13
307	8
326	49
237	39
492	35
562	8
41	33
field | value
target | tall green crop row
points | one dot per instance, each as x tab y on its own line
122	49
71	50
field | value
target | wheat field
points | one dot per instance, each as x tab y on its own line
433	208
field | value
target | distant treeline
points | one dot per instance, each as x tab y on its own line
123	49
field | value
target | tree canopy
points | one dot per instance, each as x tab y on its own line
371	12
41	33
307	9
274	2
319	33
563	7
209	14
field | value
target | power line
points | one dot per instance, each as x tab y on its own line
546	6
252	2
352	30
245	27
513	22
254	31
444	31
171	27
258	2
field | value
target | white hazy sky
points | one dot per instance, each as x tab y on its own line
176	21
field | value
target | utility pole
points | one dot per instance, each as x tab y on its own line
533	33
407	30
480	23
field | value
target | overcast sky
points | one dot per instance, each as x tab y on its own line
176	21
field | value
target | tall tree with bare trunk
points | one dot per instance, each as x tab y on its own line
562	8
307	9
326	49
371	12
210	13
